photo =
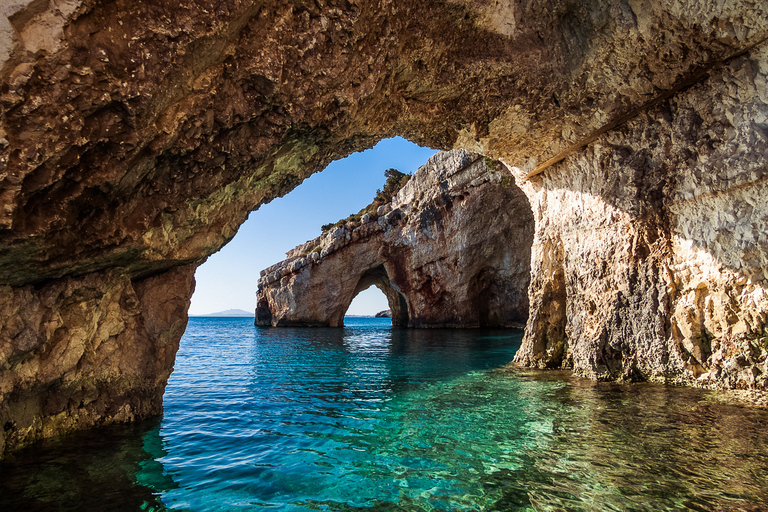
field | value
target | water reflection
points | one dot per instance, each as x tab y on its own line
95	470
360	418
381	360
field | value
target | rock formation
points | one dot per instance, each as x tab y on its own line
135	137
451	249
90	350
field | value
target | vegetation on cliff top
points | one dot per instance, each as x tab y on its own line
395	181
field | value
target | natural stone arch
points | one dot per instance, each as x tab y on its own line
136	136
451	249
379	278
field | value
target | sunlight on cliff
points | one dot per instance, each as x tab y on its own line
229	279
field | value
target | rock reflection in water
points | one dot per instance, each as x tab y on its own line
94	470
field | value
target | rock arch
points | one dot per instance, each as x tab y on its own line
379	278
452	249
136	136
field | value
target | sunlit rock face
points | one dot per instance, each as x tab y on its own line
649	260
135	136
452	249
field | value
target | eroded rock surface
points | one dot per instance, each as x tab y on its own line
649	260
135	136
451	249
87	351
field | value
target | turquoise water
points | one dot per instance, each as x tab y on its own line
371	418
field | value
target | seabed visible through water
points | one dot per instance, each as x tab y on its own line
370	417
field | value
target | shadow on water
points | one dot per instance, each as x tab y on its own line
93	470
365	418
394	358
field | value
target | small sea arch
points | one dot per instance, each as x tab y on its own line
378	277
453	249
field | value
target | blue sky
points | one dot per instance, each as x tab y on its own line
228	280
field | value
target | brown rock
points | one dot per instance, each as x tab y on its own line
136	136
87	351
452	249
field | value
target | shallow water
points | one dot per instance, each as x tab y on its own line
368	417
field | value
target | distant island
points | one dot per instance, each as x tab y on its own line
230	313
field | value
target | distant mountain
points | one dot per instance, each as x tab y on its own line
231	312
387	313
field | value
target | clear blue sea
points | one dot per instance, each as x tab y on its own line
368	417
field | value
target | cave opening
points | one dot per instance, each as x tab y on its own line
452	248
135	138
378	278
369	302
228	279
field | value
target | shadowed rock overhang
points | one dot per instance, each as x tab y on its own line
135	137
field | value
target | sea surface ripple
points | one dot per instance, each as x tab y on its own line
368	417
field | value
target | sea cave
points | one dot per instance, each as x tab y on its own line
136	137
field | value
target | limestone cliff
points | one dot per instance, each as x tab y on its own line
451	249
649	259
135	137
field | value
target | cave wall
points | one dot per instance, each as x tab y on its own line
650	261
135	137
87	351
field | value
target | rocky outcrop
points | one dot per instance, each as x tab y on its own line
87	351
136	136
649	259
387	313
451	249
